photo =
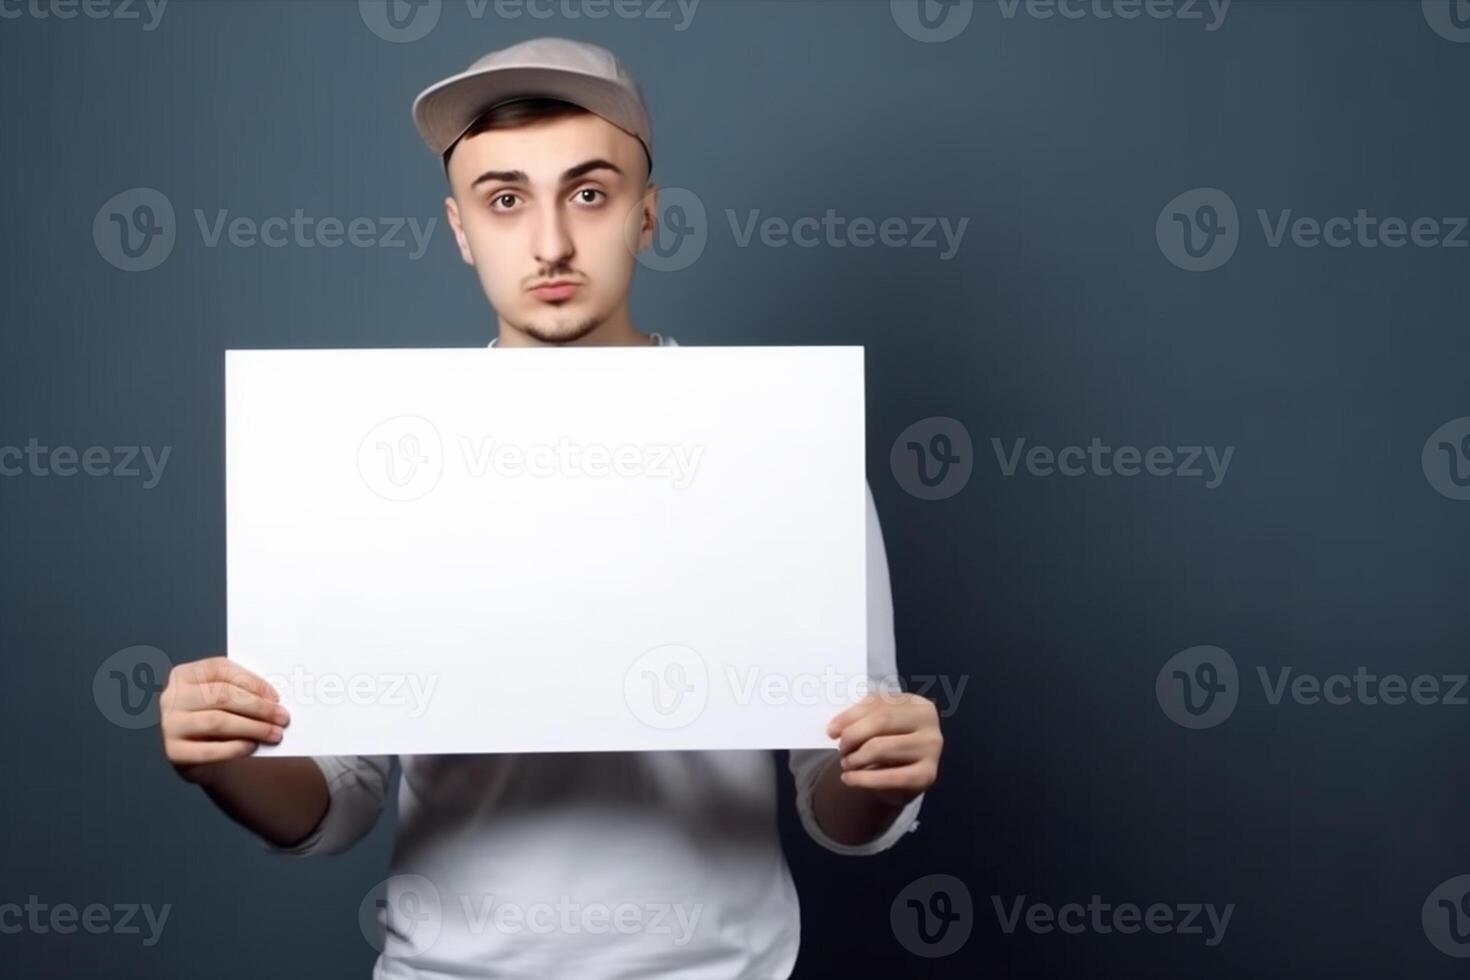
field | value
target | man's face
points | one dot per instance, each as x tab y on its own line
563	200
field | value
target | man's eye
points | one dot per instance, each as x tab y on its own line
499	198
588	190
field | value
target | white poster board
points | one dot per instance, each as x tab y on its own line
548	549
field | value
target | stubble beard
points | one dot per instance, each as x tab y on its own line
559	333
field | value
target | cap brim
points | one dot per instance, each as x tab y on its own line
444	111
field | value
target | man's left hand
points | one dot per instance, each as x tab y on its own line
890	744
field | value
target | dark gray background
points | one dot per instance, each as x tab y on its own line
1325	549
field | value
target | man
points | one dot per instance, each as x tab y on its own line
586	865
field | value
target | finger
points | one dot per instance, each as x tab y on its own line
886	751
216	725
229	697
199	753
914	778
850	715
214	669
881	720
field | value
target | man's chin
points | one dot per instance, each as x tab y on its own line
563	330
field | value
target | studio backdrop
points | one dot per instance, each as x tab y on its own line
1168	427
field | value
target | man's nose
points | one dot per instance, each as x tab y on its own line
553	244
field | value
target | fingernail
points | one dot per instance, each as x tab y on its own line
275	695
282	716
276	734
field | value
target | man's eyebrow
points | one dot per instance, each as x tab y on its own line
571	174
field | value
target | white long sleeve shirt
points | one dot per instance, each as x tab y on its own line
594	865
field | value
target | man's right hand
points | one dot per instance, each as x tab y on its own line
213	712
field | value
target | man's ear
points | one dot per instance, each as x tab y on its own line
451	211
648	220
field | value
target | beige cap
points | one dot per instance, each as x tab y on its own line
548	67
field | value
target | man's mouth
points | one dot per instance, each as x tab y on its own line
553	291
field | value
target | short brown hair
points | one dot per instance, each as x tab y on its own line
524	112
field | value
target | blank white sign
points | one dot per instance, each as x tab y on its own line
548	549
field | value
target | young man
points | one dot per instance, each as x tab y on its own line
586	865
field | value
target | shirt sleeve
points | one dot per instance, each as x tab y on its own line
355	786
807	765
